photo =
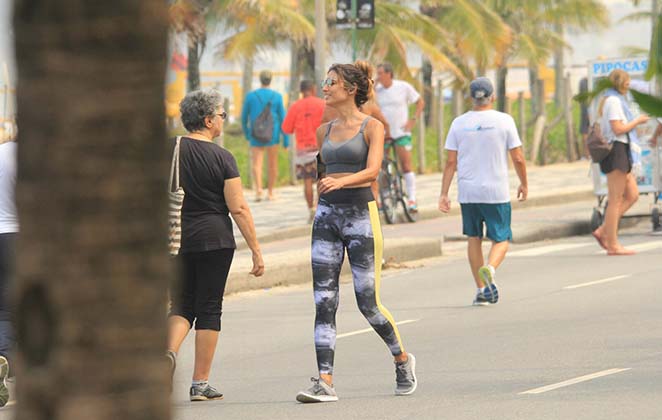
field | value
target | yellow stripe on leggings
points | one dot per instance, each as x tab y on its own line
379	251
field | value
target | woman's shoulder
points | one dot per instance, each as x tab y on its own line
372	122
612	99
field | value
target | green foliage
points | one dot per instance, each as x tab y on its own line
655	56
649	104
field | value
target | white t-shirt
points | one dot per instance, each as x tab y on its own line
482	140
8	217
612	110
393	102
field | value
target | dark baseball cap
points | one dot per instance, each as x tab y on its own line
481	88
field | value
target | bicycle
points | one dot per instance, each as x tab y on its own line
391	187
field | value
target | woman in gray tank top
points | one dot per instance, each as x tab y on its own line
347	219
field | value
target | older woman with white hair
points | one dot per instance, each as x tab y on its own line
209	176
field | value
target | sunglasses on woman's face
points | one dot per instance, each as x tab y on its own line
223	115
329	82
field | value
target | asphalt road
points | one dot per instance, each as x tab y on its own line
576	335
567	313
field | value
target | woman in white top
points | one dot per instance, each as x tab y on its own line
619	128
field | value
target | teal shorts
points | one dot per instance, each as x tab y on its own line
496	217
404	141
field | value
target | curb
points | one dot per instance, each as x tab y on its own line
293	267
427	213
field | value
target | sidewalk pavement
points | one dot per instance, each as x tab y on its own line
287	216
559	204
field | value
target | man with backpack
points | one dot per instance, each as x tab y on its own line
261	118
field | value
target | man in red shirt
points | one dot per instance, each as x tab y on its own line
302	119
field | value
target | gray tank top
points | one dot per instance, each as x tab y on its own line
345	156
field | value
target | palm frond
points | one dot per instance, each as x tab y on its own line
636	17
651	105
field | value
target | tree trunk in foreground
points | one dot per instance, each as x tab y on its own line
93	163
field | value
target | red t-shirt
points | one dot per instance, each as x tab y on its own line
302	119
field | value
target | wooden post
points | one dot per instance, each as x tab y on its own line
521	117
292	96
440	126
457	102
246	87
539	126
508	105
571	140
421	136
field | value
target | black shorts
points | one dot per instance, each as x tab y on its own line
618	158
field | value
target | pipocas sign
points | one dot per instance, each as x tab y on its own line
602	68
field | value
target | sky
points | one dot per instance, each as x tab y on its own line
606	43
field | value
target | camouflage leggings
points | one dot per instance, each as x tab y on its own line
355	228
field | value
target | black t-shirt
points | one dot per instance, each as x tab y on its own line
203	169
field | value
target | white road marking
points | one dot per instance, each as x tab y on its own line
349	334
641	247
646	246
591	283
542	250
574	381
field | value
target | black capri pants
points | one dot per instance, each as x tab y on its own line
197	293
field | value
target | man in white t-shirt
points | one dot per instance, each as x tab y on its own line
394	97
8	231
478	145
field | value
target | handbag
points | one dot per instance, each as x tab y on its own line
598	146
176	201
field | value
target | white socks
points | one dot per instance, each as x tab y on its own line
410	180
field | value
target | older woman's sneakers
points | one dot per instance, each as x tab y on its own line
202	391
4	371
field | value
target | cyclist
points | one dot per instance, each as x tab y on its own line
394	96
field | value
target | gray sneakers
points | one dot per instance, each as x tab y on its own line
4	371
205	393
319	392
405	376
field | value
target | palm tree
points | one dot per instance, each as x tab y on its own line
256	26
398	27
92	259
477	37
569	15
190	16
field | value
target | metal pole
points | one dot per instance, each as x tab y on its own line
320	41
354	22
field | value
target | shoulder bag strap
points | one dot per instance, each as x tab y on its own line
174	166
